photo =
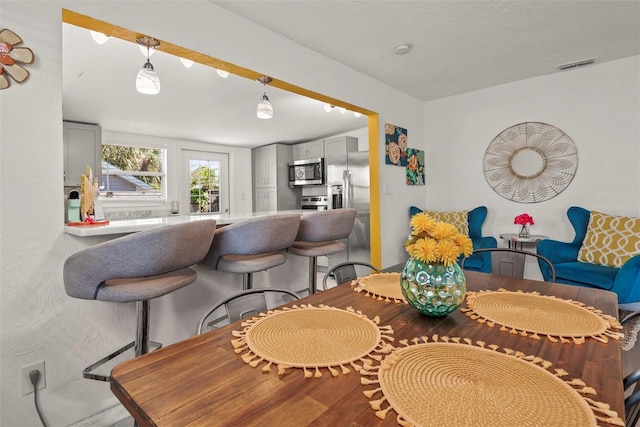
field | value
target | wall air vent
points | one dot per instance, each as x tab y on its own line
576	64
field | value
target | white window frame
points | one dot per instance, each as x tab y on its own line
225	177
137	201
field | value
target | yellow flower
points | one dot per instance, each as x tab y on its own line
465	244
434	241
444	230
448	251
422	224
425	250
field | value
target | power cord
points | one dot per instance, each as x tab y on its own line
34	376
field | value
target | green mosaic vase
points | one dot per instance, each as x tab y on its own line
433	289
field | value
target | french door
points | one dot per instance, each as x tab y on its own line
204	182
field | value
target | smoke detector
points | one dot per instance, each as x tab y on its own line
402	49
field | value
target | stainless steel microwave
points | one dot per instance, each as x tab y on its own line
306	172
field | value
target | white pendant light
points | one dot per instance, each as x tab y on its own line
222	73
99	38
186	62
147	80
265	109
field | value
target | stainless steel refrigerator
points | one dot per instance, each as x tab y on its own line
348	187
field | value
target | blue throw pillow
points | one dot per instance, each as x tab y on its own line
414	210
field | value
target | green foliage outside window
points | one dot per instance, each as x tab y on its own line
135	159
204	181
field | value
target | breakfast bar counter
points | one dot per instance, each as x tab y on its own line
135	225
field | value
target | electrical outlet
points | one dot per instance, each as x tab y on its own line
27	387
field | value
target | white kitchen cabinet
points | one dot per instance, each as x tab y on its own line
271	190
265	160
308	150
82	147
266	200
340	145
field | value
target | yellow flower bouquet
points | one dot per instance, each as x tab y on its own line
434	241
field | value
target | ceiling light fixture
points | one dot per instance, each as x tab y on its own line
186	62
143	50
265	109
402	49
576	64
99	38
355	113
342	110
222	73
147	80
328	107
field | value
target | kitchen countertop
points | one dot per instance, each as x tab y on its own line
135	225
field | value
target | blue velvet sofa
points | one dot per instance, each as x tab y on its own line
475	217
624	281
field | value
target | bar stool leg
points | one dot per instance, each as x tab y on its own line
142	327
247	281
313	275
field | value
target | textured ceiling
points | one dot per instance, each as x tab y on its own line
458	46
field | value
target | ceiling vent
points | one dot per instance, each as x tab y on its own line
576	64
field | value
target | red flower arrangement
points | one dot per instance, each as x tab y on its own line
523	219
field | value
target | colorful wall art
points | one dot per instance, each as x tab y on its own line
11	57
395	145
415	166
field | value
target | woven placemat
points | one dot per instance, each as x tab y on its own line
311	338
454	382
532	314
381	286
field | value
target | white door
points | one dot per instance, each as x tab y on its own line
204	182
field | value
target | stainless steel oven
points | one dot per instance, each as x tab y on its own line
316	203
306	172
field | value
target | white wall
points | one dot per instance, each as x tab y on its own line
597	106
38	320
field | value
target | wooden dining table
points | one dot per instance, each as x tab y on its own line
201	381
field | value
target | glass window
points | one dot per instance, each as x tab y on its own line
204	186
129	172
205	181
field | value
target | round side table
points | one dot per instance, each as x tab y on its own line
513	239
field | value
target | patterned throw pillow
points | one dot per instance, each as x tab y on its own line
610	240
459	219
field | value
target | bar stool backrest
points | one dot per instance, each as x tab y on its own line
261	235
322	226
142	254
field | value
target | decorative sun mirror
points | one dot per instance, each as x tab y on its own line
530	162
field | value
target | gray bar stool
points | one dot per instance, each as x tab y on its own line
138	267
252	245
318	236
